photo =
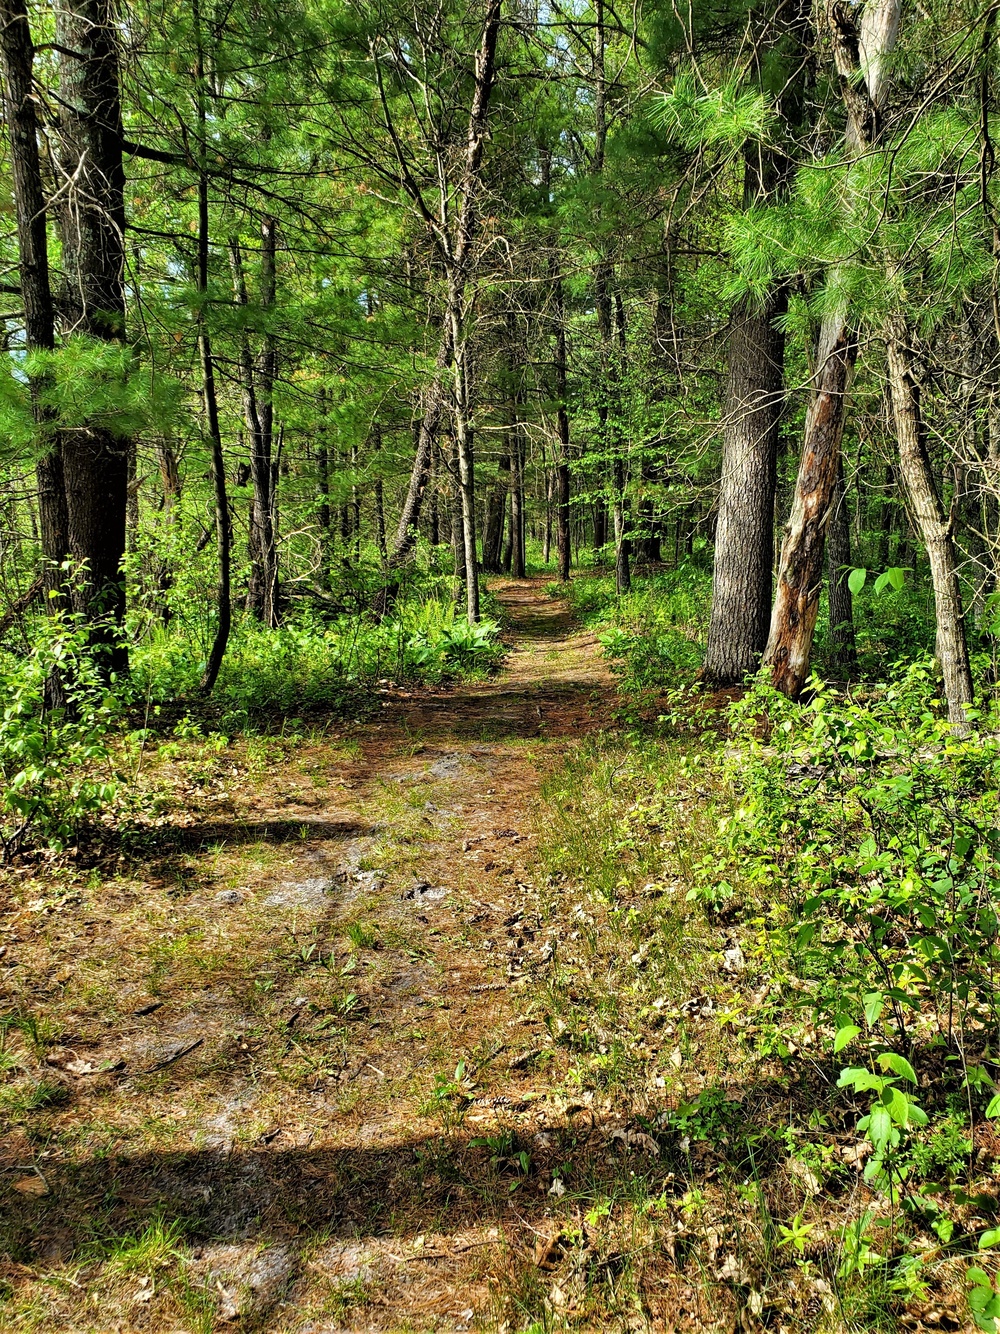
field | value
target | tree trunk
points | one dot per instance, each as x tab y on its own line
623	572
547	527
608	413
562	473
92	227
323	515
430	424
744	552
257	389
17	55
210	400
793	618
456	513
517	568
465	464
933	524
796	606
844	656
496	513
457	256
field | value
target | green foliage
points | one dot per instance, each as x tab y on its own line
874	826
726	115
652	635
441	640
56	774
312	662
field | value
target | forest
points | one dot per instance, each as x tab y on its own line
511	487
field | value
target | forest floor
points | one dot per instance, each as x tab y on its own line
344	1045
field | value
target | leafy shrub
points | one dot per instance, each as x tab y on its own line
55	767
875	825
440	640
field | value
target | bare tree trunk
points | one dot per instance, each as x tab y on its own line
466	465
323	515
457	256
517	568
92	228
934	525
547	528
211	405
562	473
258	414
744	554
456	512
796	606
608	411
430	425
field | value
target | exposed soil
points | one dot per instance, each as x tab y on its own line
285	1026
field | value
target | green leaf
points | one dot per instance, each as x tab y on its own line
979	1298
856	580
993	1109
874	1003
979	1277
860	1080
991	1237
880	1126
899	1065
845	1035
896	577
881	582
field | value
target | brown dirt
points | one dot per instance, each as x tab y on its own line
244	1030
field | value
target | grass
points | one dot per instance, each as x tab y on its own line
156	1247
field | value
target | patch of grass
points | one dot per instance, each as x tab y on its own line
363	936
26	1096
158	1246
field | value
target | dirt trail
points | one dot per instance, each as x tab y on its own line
258	1036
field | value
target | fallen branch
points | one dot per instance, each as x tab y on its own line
21	605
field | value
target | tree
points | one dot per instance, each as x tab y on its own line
859	54
91	222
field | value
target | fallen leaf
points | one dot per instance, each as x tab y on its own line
31	1186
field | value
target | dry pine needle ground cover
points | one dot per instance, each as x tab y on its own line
405	1025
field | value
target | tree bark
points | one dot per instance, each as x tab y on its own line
744	552
562	472
92	226
465	466
796	606
496	514
517	567
933	524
